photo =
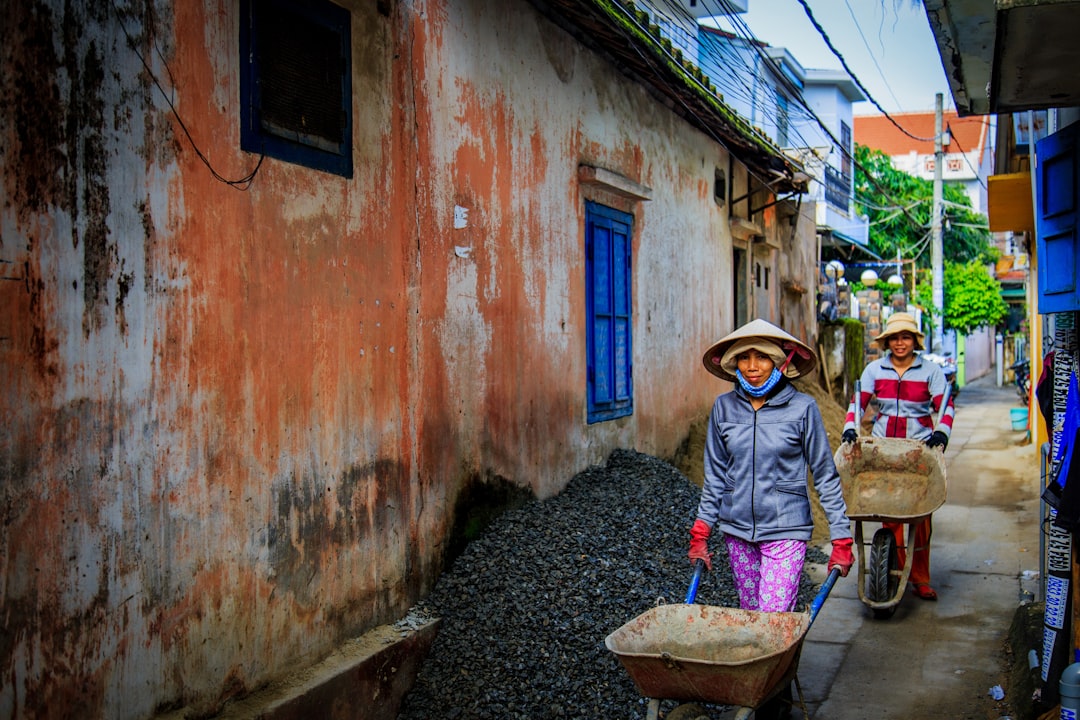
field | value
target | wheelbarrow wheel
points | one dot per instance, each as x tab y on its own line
883	581
688	711
777	707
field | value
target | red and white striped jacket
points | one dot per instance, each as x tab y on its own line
906	407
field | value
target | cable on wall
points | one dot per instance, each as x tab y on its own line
242	183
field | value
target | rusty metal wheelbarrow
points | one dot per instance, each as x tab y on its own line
888	480
716	655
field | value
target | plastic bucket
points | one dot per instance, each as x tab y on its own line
1019	417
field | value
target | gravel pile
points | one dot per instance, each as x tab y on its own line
526	607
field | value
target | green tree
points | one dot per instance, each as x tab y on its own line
900	205
972	298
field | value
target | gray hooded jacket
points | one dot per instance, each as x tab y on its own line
756	468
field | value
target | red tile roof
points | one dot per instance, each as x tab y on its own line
1012	276
877	132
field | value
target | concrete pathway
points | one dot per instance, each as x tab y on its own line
941	659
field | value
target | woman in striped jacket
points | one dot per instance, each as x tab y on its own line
909	392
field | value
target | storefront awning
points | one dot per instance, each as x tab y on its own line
1009	203
846	247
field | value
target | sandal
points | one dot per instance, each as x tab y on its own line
924	591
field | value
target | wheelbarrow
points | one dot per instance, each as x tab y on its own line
888	480
715	655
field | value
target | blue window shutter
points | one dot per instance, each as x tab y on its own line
1056	221
609	312
620	316
602	319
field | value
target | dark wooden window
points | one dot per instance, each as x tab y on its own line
296	83
783	120
847	151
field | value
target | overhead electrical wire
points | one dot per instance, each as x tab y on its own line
729	54
765	182
870	97
796	93
716	59
890	208
919	247
894	213
952	136
870	52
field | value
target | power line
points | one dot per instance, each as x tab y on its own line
952	136
743	33
242	183
870	97
632	43
796	93
893	207
870	52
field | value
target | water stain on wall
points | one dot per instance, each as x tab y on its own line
316	517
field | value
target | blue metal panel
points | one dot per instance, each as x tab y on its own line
1056	227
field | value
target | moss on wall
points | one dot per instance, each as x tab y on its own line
854	350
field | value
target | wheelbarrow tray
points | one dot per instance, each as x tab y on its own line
716	655
890	479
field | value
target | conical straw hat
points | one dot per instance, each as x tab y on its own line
773	341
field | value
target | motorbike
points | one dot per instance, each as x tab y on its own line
948	368
1021	379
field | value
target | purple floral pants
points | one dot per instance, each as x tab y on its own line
766	574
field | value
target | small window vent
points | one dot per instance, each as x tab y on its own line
296	83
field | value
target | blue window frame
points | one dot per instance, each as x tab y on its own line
1057	220
608	288
296	83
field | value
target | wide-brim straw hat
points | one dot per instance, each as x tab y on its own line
898	323
765	337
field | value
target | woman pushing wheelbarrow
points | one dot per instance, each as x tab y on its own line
762	437
910	391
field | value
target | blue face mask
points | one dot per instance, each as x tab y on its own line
760	390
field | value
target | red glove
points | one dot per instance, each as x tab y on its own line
699	543
841	556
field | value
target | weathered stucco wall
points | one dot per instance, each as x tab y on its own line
207	458
798	262
236	422
512	111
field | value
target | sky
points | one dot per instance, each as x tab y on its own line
887	44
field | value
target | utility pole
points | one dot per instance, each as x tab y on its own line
936	253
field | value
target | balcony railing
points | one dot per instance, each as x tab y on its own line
837	188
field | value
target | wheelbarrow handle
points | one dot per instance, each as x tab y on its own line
699	570
826	588
815	606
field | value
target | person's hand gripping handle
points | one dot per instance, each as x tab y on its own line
699	543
